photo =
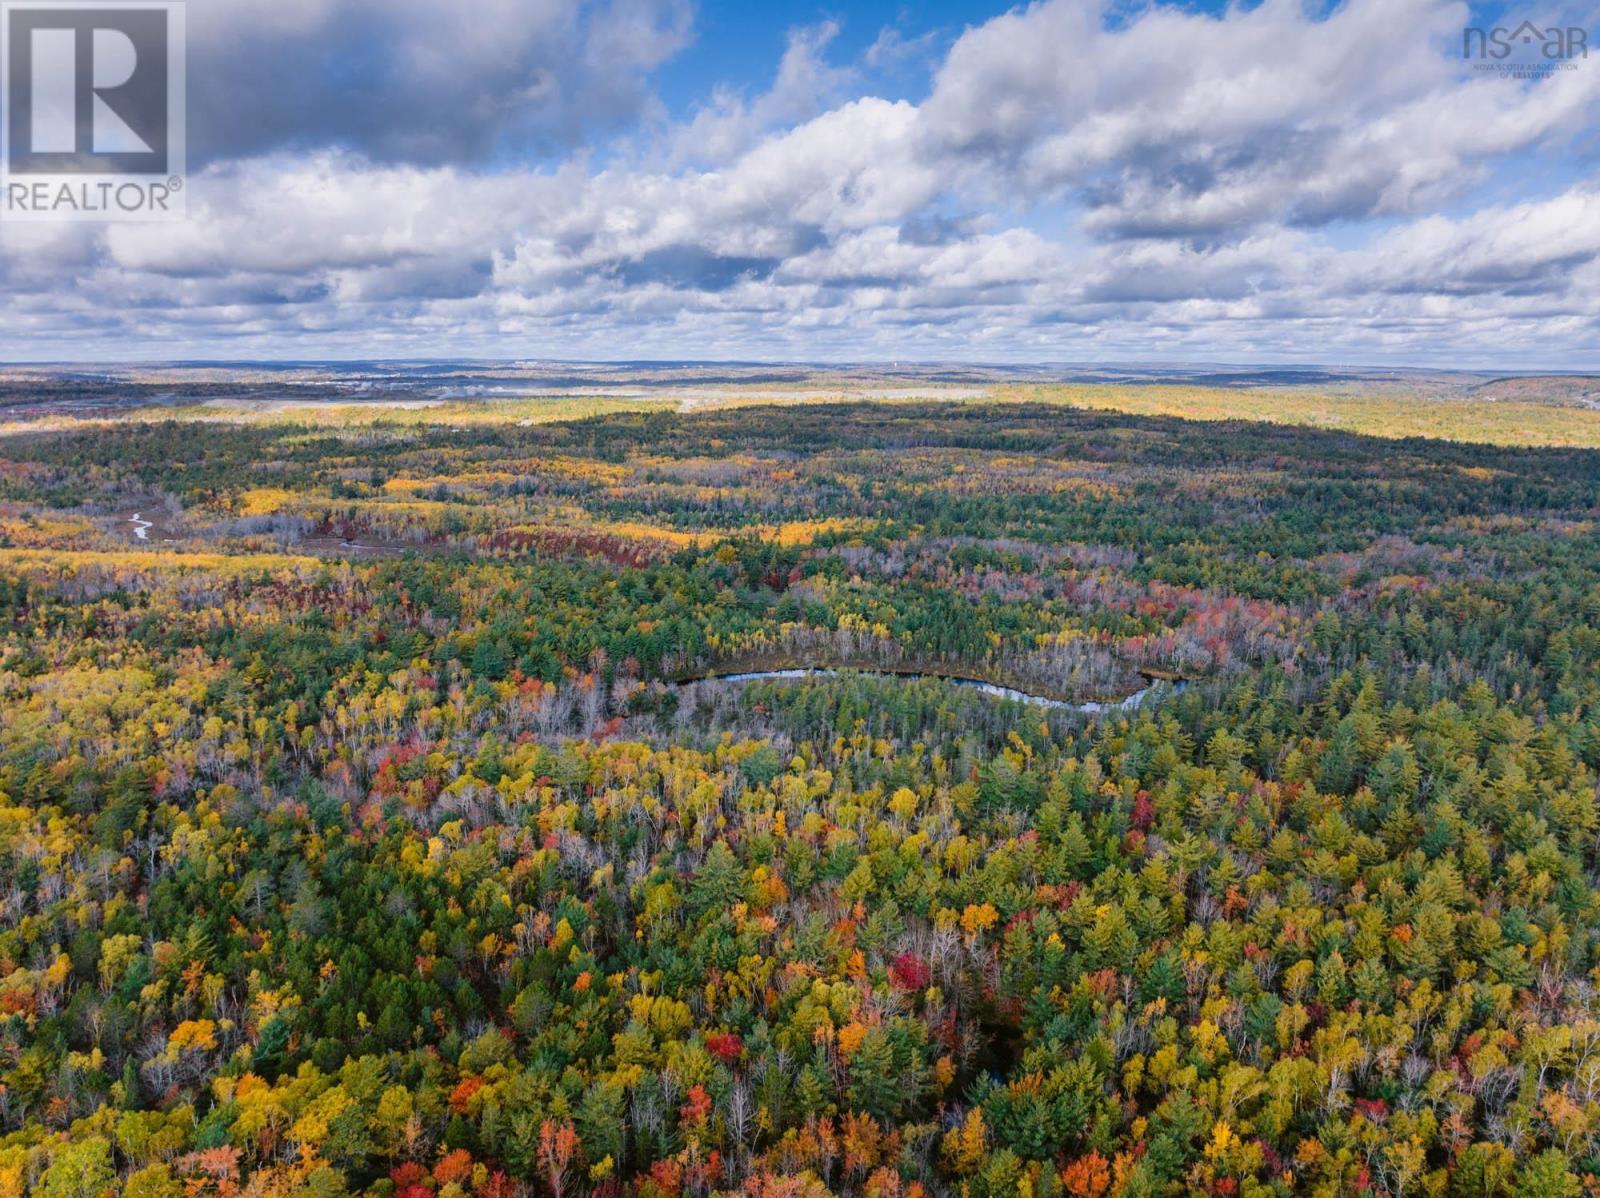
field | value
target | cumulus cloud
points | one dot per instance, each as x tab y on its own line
806	84
1531	249
1184	124
421	81
1264	183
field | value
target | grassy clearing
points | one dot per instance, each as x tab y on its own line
1512	424
1397	416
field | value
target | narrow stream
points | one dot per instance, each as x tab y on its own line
141	528
1132	702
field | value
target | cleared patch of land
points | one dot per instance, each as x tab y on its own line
1547	410
1500	422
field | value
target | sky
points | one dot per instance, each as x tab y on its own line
1067	181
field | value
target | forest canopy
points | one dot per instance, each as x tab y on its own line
373	820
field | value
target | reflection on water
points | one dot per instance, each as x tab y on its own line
1000	692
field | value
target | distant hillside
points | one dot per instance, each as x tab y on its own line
1568	390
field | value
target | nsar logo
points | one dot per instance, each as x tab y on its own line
1525	50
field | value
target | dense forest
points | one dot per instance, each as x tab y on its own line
370	823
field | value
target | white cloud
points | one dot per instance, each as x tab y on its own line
1261	183
1184	124
805	85
1536	248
